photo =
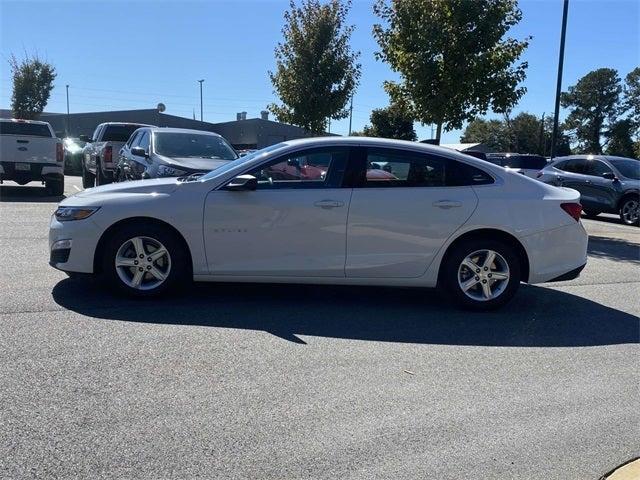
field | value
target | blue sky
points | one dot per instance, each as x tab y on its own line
134	54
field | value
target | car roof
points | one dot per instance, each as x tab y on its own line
140	125
182	130
19	120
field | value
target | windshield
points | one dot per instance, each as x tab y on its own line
180	144
627	168
247	158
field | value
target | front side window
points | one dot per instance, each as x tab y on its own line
174	144
389	168
318	168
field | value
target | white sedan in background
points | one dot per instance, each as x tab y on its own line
324	211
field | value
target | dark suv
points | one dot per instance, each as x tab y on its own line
606	184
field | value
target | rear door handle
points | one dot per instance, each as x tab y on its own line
446	204
327	204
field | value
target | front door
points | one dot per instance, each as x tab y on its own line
293	224
404	209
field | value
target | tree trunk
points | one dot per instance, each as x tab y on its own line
439	132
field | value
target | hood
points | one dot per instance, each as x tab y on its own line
142	187
195	163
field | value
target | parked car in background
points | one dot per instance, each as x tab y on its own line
30	152
526	164
171	152
73	155
441	218
606	184
101	151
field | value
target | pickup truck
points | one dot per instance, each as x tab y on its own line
30	151
100	154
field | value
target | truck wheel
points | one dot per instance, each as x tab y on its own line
55	187
101	178
88	179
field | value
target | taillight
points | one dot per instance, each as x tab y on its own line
573	209
108	154
59	152
539	174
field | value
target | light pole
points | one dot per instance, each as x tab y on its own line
563	34
200	82
67	129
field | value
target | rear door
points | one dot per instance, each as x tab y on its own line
403	208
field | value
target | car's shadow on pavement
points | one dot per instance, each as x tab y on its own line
11	193
537	317
616	249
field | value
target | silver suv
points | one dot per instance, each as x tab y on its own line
606	184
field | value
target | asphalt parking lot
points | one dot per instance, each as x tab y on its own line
290	381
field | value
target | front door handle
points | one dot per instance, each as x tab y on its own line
446	204
327	204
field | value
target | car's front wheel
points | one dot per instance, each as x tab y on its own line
145	260
482	274
630	211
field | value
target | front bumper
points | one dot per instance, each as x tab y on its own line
572	275
84	236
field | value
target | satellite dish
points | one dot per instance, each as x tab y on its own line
161	107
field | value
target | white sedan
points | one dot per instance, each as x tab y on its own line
353	210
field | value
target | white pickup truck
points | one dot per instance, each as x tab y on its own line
100	154
30	152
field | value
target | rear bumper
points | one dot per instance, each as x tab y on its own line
36	172
556	253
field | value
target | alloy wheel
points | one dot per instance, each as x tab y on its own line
483	275
630	212
143	263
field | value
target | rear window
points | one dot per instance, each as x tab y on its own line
530	162
26	129
118	133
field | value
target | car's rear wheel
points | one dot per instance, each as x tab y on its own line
55	187
482	274
88	178
145	260
101	178
630	211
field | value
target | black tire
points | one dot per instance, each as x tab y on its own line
88	178
630	203
55	187
591	213
178	274
454	261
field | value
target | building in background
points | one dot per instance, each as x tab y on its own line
242	133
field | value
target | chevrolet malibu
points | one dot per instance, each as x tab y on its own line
436	218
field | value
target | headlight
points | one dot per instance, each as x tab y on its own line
66	214
166	171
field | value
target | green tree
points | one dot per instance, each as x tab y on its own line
631	103
492	133
595	104
619	141
32	84
316	70
452	56
393	121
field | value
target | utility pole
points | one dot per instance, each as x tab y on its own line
350	114
67	129
563	34
200	82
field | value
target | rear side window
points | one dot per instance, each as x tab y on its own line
26	129
118	133
573	166
391	168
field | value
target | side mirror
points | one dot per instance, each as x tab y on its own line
138	152
609	176
85	138
243	183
